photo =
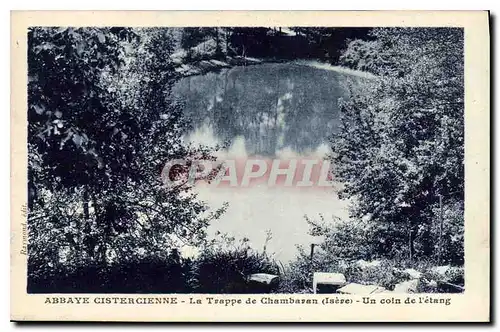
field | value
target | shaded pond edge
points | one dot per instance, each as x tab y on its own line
202	67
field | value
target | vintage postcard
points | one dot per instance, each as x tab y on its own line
250	166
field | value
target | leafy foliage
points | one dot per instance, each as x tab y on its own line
102	125
400	144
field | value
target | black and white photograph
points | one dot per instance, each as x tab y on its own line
233	160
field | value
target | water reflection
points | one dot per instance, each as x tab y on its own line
275	111
272	106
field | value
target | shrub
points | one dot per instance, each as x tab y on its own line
147	275
224	265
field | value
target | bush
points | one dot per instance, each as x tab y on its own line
361	55
223	267
387	273
148	275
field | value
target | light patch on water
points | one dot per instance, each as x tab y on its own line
237	148
287	153
319	153
322	150
252	211
255	210
203	135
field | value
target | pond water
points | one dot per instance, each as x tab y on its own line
269	111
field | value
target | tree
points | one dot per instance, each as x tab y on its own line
64	98
400	143
102	124
191	37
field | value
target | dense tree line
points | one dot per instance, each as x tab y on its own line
325	44
400	148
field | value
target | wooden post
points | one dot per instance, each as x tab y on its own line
312	252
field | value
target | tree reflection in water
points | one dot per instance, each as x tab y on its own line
272	106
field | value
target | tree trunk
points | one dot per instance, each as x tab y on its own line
411	241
